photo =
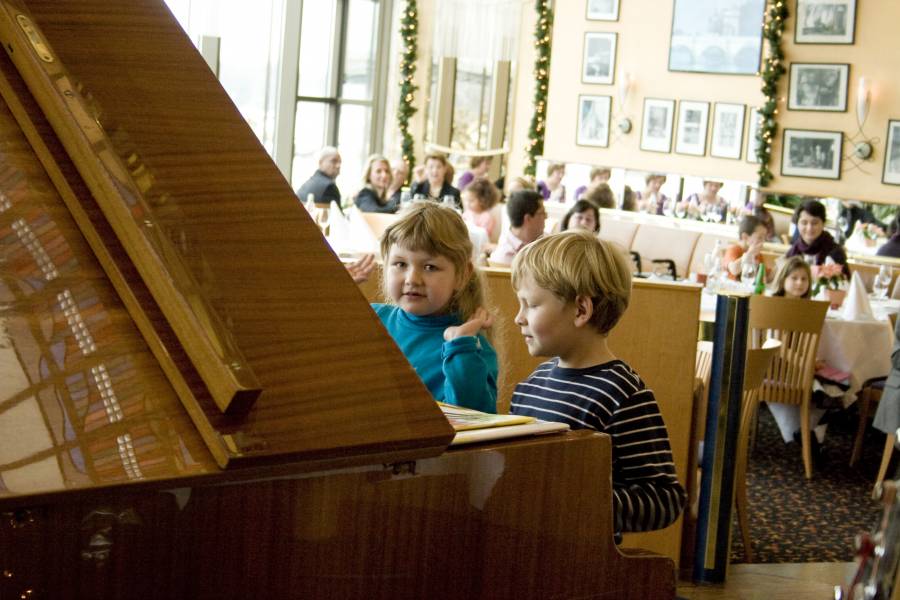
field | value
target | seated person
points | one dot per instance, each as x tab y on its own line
601	196
583	215
854	212
812	241
598	175
652	200
479	198
478	167
794	279
751	234
573	288
552	189
756	207
629	202
708	204
437	311
526	224
373	197
521	183
321	186
892	246
437	182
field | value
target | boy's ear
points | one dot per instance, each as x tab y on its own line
584	310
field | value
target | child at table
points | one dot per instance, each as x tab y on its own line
751	235
794	280
479	197
437	311
572	290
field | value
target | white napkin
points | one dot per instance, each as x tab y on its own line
338	229
361	235
856	305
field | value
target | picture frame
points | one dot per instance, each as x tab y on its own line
727	131
891	171
693	124
825	22
717	36
599	60
602	10
593	121
656	125
818	86
807	153
753	125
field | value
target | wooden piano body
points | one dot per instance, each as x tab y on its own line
195	399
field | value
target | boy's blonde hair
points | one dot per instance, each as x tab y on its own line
438	230
577	263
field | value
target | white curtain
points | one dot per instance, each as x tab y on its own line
477	32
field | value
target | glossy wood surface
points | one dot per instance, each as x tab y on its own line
526	519
262	263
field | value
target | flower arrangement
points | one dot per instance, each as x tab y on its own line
829	276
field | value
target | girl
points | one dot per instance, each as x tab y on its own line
479	198
373	197
583	215
436	185
436	312
794	279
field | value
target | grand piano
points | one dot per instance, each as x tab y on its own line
196	400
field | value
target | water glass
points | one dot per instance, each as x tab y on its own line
748	273
882	282
680	210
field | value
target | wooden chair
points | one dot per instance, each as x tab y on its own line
797	324
755	367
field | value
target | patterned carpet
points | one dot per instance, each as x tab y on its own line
794	520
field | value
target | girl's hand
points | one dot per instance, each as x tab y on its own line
482	319
361	269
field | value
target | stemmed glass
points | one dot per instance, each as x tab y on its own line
680	210
748	273
882	282
669	207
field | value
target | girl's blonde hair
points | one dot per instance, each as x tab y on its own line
437	230
789	266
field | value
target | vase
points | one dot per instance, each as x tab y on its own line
835	297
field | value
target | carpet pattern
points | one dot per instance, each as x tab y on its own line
794	520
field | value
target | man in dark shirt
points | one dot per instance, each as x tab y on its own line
321	185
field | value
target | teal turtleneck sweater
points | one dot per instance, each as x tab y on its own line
462	371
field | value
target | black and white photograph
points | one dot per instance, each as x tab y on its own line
811	153
825	21
656	131
717	36
727	130
593	121
599	61
693	119
818	86
603	10
752	132
892	154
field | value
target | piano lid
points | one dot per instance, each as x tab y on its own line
204	242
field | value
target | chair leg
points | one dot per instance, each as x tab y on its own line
804	439
748	414
886	458
864	402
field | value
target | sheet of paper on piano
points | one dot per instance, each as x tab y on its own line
475	426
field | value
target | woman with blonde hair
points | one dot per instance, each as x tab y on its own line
373	197
436	186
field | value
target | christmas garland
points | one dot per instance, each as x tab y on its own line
773	69
409	31
541	83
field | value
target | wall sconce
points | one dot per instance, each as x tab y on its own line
626	82
862	150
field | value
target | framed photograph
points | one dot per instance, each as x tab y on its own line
693	120
752	132
599	61
807	153
818	86
728	131
603	10
656	130
892	154
717	36
825	21
593	121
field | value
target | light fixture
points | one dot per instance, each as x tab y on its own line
626	82
862	149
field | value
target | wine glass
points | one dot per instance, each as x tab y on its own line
668	207
882	282
748	273
680	210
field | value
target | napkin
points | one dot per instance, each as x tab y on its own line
338	229
856	305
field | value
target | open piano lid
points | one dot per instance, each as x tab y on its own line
253	322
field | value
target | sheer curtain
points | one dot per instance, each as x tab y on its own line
479	32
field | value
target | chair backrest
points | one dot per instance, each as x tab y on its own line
655	242
614	230
895	292
797	324
706	243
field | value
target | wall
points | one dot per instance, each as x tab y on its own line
522	95
644	28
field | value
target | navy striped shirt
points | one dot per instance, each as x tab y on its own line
611	398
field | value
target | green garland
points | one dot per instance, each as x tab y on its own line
773	69
541	83
409	31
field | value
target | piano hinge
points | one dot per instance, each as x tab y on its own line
407	467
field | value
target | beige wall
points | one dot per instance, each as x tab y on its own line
644	27
522	96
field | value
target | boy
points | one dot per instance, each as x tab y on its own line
572	290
